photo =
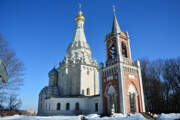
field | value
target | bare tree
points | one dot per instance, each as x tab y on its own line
15	69
161	83
2	101
14	103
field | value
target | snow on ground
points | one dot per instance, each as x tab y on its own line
89	117
22	117
138	116
171	116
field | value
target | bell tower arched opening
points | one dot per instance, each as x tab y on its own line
124	50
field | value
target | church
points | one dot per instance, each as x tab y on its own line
79	86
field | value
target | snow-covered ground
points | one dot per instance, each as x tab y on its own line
21	117
137	116
171	116
89	117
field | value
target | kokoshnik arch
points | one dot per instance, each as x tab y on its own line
73	86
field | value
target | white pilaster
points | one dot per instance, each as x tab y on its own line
101	94
141	85
129	47
120	78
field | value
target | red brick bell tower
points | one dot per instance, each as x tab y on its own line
120	78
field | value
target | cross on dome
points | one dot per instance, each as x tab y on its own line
114	8
80	17
80	6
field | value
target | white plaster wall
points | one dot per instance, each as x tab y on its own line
89	79
69	80
86	105
92	103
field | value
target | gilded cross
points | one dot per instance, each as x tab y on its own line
80	6
113	8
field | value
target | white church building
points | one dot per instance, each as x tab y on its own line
74	86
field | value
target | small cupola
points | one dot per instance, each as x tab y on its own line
53	72
53	76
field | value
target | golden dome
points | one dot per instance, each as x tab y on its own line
80	17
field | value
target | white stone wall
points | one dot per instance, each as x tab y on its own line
78	78
86	105
89	80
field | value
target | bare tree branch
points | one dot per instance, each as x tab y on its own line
14	103
15	70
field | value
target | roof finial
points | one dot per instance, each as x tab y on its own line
113	8
55	64
80	6
80	17
115	28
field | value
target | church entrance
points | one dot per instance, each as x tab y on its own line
132	93
111	98
132	100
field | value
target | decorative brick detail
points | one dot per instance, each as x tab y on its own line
120	72
105	86
136	82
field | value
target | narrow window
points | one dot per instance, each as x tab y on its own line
49	107
77	106
124	50
96	107
67	106
88	91
113	51
59	106
83	92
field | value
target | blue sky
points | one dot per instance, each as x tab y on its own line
41	30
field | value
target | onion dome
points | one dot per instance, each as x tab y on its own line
80	17
53	72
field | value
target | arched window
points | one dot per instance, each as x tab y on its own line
67	106
88	91
46	106
96	107
124	50
77	106
59	106
83	92
49	107
113	51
